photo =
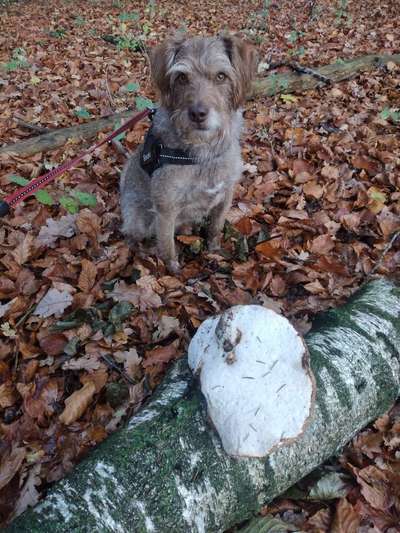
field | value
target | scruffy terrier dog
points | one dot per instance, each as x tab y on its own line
190	162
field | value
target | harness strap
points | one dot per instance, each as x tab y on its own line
155	155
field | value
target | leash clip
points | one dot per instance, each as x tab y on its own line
152	112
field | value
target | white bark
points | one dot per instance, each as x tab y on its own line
167	471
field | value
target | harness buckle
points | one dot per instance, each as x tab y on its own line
150	156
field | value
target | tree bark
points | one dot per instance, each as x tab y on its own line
166	469
269	86
336	72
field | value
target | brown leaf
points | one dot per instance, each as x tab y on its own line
188	239
29	496
8	395
346	519
142	297
89	223
7	287
269	249
41	399
320	522
5	350
90	362
311	188
87	277
244	226
131	361
314	287
161	354
77	403
10	465
23	251
388	222
372	166
278	286
375	487
330	172
53	344
28	351
98	377
322	244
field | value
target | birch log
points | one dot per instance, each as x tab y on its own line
166	470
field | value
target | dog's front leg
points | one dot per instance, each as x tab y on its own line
165	233
217	219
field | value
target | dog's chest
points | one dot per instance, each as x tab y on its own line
204	190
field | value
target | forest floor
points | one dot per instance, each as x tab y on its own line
88	327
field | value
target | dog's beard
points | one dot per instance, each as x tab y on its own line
210	131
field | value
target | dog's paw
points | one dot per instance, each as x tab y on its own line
173	267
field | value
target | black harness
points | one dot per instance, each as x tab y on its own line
155	155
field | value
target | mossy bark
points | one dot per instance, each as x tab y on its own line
268	86
166	470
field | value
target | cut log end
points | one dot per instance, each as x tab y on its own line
256	378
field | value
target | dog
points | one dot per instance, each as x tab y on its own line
190	162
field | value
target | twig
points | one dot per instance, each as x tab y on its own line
33	127
387	248
108	91
109	361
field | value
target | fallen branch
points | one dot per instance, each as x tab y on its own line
167	471
340	71
269	86
57	138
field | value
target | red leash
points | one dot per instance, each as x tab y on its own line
38	183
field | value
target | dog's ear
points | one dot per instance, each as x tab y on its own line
161	59
244	59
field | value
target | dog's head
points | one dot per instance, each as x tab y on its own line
201	81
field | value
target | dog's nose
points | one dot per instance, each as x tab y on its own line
198	113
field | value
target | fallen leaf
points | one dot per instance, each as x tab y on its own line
372	166
29	496
269	249
375	487
388	222
8	395
131	361
53	344
82	363
54	229
346	519
54	303
165	326
142	297
10	464
89	223
87	277
161	354
323	244
377	199
77	403
311	188
320	522
23	251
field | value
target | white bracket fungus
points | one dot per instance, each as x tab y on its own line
256	378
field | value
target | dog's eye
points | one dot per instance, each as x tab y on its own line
221	77
182	79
